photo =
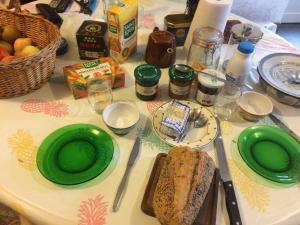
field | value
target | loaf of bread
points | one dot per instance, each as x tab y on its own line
182	186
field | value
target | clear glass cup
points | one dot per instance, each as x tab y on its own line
99	94
226	102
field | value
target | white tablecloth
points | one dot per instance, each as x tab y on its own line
25	122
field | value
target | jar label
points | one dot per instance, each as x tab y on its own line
178	90
205	99
147	91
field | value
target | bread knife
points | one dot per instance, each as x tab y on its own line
123	185
231	202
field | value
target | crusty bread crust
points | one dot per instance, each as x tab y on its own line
182	186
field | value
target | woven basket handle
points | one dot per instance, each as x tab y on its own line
15	4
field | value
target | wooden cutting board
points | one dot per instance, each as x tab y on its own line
208	210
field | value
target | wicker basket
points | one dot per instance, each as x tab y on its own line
24	75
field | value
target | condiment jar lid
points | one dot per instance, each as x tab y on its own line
207	36
211	82
246	31
181	73
147	73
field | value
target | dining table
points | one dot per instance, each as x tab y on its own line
27	120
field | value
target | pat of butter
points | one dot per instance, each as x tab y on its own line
175	118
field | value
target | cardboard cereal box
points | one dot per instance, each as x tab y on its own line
104	68
122	29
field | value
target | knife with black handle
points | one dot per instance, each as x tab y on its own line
231	202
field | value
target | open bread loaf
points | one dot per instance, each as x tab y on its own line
182	186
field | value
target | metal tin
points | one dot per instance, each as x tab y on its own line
179	25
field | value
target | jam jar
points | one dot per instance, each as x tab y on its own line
181	79
209	87
146	81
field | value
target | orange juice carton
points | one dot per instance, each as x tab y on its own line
122	29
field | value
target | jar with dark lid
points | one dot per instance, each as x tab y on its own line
208	87
146	81
181	79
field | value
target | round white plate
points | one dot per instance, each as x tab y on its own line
276	69
196	138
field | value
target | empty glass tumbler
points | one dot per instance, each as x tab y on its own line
99	94
226	102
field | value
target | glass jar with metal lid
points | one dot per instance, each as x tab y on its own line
205	49
181	79
146	81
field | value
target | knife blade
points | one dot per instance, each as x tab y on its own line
123	184
281	125
230	198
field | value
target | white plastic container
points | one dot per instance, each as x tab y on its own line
240	64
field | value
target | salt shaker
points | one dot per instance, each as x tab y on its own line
240	64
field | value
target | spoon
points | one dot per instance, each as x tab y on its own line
295	78
201	121
193	116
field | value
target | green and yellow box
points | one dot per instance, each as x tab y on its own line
104	68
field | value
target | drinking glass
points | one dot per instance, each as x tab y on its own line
226	102
99	94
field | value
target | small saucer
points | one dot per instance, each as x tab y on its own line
271	152
74	154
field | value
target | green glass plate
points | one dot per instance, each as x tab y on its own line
271	152
74	154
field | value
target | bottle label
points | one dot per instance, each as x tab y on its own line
147	91
178	90
205	99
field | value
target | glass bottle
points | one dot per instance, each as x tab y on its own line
205	49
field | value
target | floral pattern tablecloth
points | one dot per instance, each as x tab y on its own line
27	120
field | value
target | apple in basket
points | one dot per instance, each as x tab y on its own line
8	58
3	53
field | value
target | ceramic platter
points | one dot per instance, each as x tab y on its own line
277	69
75	154
271	152
196	138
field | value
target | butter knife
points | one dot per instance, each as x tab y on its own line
280	124
231	202
123	185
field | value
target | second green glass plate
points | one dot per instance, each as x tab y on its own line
74	154
271	152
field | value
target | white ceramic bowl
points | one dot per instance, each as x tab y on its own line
121	117
254	106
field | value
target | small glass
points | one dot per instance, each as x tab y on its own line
226	102
106	4
99	94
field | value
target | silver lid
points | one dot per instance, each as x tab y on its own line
207	37
246	31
